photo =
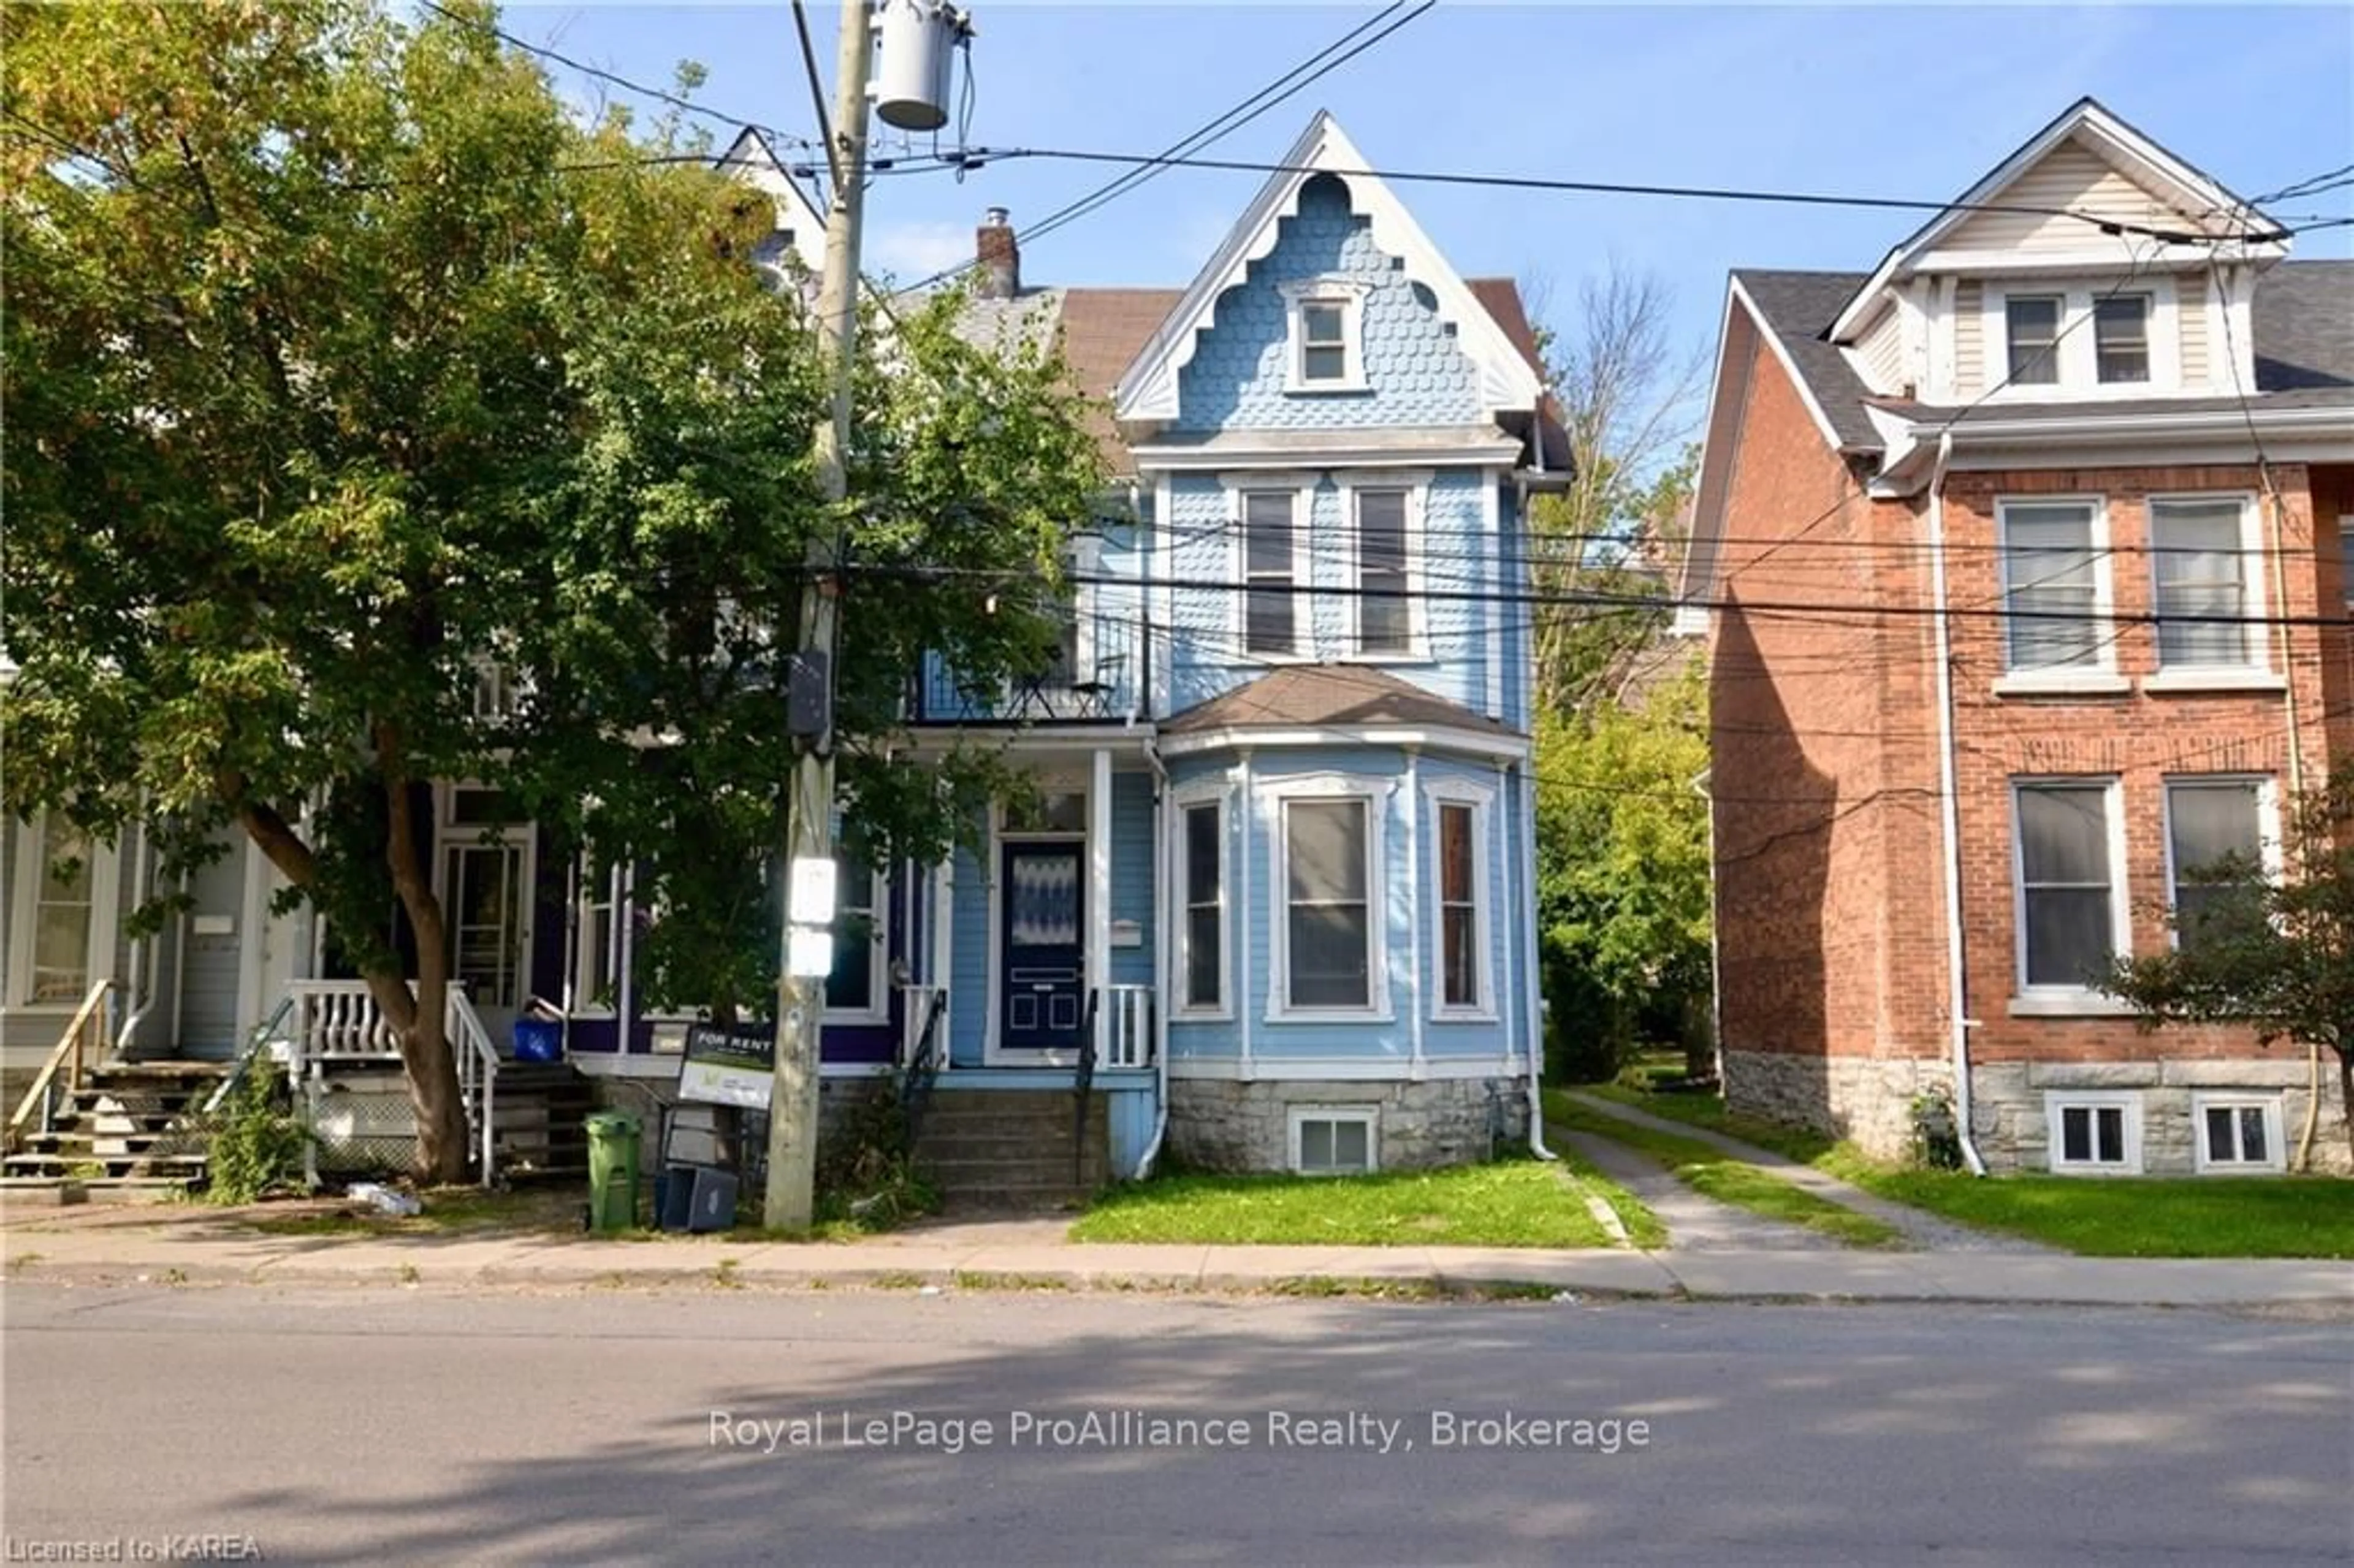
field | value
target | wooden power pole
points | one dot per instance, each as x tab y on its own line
790	1196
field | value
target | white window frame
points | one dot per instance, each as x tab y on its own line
2258	645
2203	1101
586	959
2068	998
1301	488
1416	485
2056	1101
1296	1117
1479	801
105	890
2100	676
1346	294
2059	328
878	912
2269	835
1322	789
2149	334
1207	794
2076	357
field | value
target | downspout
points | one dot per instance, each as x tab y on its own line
1526	861
1160	956
142	948
1950	813
2270	499
1249	814
1417	1064
1700	783
180	964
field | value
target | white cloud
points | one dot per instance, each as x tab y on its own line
912	251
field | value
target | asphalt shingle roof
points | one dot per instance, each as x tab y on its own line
2304	330
1320	696
1103	331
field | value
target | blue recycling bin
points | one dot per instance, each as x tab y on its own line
538	1039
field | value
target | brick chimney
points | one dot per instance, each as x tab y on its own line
998	257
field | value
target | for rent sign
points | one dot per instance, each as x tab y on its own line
735	1065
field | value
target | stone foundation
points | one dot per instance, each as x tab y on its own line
1870	1101
1219	1124
2007	1114
1865	1099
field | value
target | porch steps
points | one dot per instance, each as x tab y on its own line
538	1121
1012	1148
128	1132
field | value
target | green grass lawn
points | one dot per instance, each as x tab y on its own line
1712	1173
1518	1202
2141	1216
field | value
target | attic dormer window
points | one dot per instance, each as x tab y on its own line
2121	337
2033	321
1326	348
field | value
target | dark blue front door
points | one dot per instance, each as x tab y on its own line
1044	987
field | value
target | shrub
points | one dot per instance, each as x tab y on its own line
257	1142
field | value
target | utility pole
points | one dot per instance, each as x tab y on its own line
790	1196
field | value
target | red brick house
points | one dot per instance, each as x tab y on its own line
2028	558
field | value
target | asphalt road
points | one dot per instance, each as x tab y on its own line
419	1425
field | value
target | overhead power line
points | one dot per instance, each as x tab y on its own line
2106	225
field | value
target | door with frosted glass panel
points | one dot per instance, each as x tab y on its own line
1043	993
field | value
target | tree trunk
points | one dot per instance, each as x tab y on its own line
2346	1097
425	1051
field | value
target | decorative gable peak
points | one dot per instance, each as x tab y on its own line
1148	393
800	230
2143	210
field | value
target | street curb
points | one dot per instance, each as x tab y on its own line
1407	1280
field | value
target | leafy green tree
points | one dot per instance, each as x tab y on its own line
2273	953
345	369
1623	868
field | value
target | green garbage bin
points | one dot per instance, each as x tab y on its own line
613	1138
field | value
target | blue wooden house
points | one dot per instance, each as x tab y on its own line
1274	892
1278	882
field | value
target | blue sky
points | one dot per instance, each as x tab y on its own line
1897	101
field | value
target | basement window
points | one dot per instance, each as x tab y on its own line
2094	1133
2237	1132
1334	1140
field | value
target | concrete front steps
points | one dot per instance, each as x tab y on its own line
1012	1148
129	1132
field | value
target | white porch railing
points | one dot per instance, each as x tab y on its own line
1124	1027
339	1021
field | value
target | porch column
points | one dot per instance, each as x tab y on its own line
1098	895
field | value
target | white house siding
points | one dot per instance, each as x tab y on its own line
1882	351
1969	339
2074	178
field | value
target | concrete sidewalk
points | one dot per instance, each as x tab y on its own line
1931	1232
1032	1255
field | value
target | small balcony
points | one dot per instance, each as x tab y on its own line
1098	678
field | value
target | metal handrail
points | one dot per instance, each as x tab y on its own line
262	1035
1083	1083
66	1053
922	1067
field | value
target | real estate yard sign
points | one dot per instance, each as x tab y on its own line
729	1066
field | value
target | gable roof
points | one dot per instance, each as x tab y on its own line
1325	696
1103	330
2304	328
2204	207
1148	390
753	157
